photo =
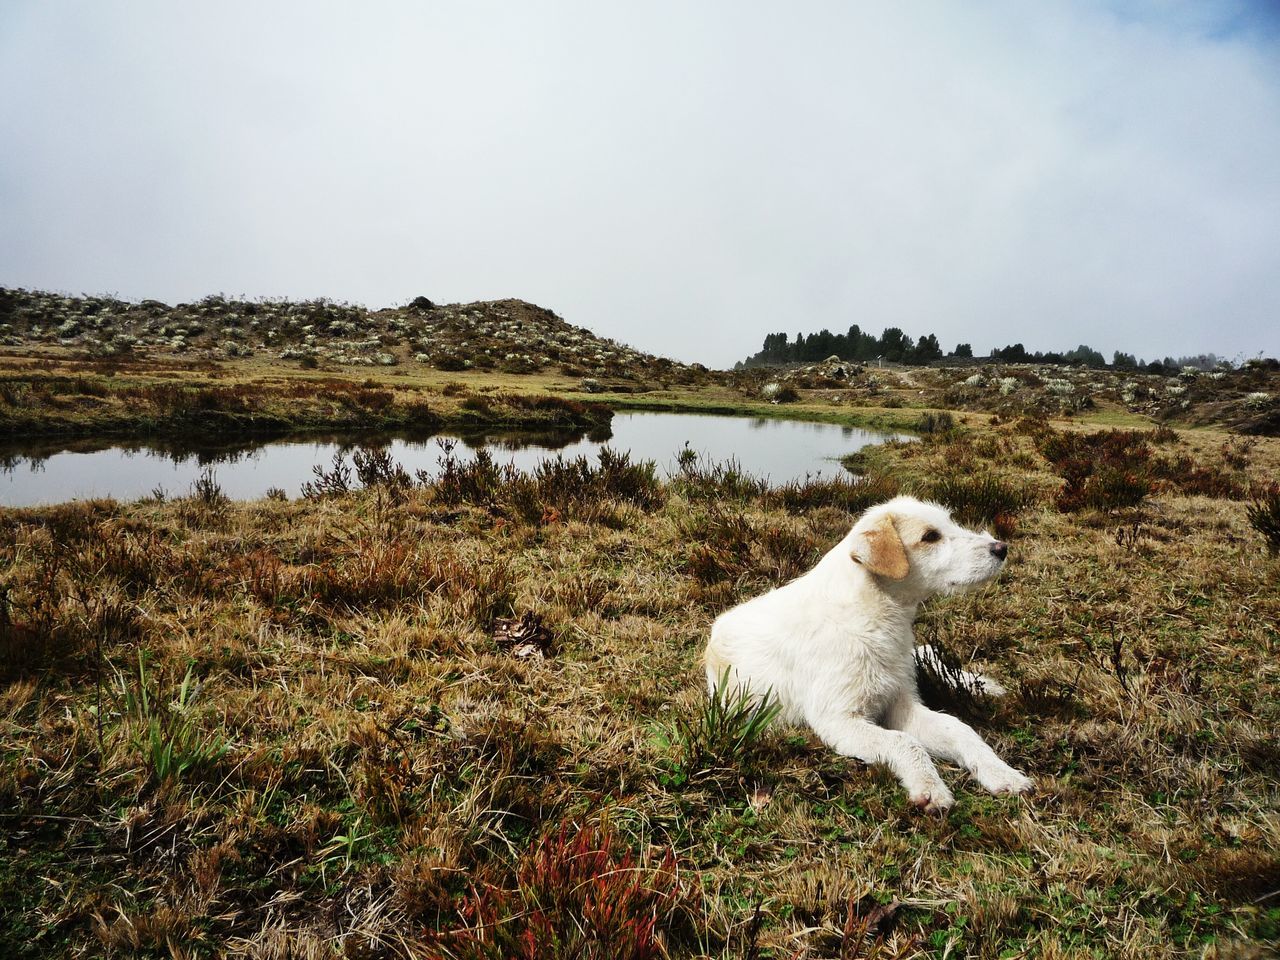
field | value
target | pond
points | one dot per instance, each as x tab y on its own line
39	472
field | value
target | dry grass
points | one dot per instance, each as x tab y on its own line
66	397
336	757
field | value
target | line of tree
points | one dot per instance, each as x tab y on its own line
1087	356
895	346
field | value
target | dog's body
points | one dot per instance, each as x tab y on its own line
835	647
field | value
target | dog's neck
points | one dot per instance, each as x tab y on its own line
849	582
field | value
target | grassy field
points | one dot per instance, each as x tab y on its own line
468	719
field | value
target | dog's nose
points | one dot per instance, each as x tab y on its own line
999	549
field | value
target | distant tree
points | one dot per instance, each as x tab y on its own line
775	350
1014	353
820	345
926	350
1085	355
1203	361
853	343
1124	361
895	345
963	350
862	345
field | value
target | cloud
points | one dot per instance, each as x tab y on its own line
682	177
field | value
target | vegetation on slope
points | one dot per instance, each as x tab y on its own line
1246	400
509	336
133	399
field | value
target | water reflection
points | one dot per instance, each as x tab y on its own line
49	471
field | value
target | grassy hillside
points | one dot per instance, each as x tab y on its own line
467	719
504	336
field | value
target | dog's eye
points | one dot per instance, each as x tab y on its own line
931	536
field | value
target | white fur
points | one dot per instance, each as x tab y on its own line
835	647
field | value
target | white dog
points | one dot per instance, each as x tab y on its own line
835	647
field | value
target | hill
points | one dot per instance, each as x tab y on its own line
509	336
1246	400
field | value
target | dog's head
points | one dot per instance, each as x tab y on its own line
917	547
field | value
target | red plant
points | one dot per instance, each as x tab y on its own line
574	896
1104	470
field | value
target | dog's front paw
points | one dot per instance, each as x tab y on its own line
1004	779
933	798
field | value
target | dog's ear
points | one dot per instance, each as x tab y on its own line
880	550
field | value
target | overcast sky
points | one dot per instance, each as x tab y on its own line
682	176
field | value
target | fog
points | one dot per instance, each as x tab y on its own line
681	177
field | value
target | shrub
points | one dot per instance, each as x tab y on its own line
1185	475
983	499
695	480
375	468
333	482
573	486
1264	517
207	492
1106	470
853	494
575	896
475	481
940	425
451	363
374	400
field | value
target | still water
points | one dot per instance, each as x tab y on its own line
53	472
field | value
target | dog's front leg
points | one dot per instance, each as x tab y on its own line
953	740
901	752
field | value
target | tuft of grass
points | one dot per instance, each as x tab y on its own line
697	478
726	730
944	683
937	425
163	728
727	546
207	492
1264	516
